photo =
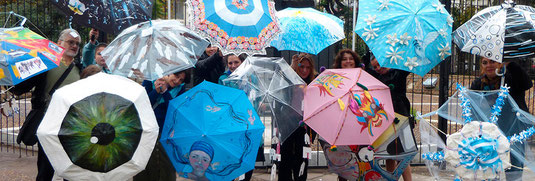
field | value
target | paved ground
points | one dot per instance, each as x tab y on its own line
14	168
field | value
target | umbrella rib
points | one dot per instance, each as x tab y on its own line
343	121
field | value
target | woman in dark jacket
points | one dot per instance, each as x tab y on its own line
209	67
518	80
160	92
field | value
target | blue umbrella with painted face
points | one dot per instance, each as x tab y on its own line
110	16
212	132
410	35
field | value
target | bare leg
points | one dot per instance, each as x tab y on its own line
391	166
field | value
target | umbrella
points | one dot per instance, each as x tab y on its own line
496	116
110	16
411	35
212	132
99	128
153	49
499	32
307	30
361	162
273	84
236	26
24	54
348	107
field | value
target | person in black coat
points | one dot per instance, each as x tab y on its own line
209	67
397	81
518	80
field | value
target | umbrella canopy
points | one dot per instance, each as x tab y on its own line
495	113
307	30
99	128
348	107
272	83
153	49
110	16
24	54
212	132
411	35
235	26
499	32
361	162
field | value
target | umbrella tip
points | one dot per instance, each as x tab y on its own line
322	68
334	148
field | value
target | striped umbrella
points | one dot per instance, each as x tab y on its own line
307	30
235	26
499	32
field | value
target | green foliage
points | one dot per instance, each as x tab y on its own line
159	9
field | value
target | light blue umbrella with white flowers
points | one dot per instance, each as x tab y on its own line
307	30
411	35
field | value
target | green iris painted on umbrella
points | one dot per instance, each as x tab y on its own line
101	132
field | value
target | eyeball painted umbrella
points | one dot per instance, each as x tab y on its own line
307	30
99	128
153	49
499	32
235	26
410	35
212	132
110	16
24	54
273	84
348	107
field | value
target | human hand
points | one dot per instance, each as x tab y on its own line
93	34
160	85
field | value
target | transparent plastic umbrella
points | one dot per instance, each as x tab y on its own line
270	83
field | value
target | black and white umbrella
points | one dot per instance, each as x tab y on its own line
499	32
99	128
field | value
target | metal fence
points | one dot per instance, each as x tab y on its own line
462	68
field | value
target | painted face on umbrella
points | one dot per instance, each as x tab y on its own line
200	161
488	67
233	62
348	61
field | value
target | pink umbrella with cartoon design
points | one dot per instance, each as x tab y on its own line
348	107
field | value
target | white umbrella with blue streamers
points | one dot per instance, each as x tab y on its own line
235	26
411	35
307	30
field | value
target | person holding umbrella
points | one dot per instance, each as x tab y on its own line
209	67
397	81
293	164
160	92
45	84
233	62
493	76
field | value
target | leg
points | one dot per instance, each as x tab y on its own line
248	175
407	174
45	172
390	165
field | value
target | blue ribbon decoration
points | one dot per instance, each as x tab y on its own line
479	153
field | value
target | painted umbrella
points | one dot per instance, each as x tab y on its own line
348	107
307	30
410	35
235	26
499	32
273	84
479	150
212	132
361	162
153	49
110	16
99	128
24	54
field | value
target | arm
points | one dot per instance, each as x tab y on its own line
520	76
213	62
88	54
152	93
27	85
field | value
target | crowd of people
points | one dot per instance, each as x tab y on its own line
214	67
